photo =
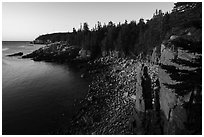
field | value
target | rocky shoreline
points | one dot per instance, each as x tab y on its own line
109	107
55	52
116	103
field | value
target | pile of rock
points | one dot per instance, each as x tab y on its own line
110	103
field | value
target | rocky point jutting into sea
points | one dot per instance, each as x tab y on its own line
154	93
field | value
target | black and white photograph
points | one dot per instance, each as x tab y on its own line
101	68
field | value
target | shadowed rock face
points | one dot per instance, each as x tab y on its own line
146	89
171	112
173	105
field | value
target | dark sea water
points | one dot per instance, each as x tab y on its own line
37	97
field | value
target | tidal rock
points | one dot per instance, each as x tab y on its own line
16	54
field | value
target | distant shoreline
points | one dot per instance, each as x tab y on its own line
15	41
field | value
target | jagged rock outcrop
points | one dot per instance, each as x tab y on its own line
170	113
173	105
54	52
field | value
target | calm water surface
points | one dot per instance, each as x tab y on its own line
37	97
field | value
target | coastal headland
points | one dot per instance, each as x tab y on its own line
154	89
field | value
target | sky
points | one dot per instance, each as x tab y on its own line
23	21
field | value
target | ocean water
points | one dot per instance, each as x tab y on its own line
37	97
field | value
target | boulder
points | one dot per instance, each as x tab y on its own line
173	37
84	53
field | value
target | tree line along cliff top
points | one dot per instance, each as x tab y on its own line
131	38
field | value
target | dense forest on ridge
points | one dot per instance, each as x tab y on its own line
130	38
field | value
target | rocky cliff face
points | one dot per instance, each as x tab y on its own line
173	114
173	104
